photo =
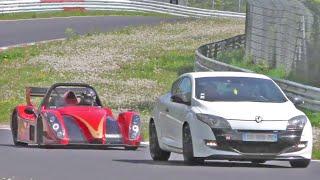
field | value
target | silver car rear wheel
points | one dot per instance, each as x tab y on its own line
156	152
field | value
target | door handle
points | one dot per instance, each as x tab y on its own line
167	109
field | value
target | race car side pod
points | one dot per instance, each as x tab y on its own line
130	124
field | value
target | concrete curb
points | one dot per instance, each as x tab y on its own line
4	48
5	127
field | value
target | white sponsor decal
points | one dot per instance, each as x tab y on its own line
113	136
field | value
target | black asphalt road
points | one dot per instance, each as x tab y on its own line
91	164
27	31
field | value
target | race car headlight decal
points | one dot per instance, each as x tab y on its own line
55	125
215	122
134	129
297	123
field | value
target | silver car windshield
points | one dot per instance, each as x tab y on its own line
238	89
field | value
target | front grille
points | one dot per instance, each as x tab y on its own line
258	147
113	135
74	133
112	126
286	140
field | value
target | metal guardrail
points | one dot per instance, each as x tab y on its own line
206	60
15	6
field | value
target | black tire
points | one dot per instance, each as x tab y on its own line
157	154
258	161
188	155
131	148
40	133
14	130
301	163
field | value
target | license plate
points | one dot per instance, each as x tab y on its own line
259	137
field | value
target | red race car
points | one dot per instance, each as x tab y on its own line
71	114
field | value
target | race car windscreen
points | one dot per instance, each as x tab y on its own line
238	89
72	96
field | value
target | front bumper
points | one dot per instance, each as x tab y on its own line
232	140
230	144
254	157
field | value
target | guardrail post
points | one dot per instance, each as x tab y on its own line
215	51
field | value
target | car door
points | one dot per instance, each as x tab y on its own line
177	112
165	121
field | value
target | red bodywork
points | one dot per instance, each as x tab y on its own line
77	125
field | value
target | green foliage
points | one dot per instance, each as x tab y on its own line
16	72
313	116
18	53
316	154
163	69
237	58
21	74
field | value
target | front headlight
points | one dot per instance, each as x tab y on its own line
134	129
55	125
297	123
215	122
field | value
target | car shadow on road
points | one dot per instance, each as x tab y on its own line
206	164
70	147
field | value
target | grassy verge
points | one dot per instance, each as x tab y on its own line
316	154
130	67
33	15
163	70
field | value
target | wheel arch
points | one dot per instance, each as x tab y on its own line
158	131
14	112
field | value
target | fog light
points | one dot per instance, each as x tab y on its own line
55	126
302	145
60	134
211	143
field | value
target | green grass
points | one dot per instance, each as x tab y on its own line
18	54
33	15
163	69
16	72
313	116
316	154
236	58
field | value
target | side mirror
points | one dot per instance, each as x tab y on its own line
297	101
181	98
29	110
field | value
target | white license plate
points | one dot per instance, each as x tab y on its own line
259	137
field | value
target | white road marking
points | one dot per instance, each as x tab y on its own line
146	143
5	127
30	44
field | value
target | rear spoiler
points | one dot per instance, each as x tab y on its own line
34	92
